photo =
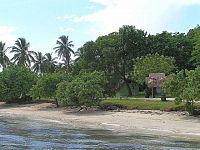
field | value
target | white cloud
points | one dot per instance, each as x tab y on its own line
91	7
143	14
7	35
66	29
116	2
7	29
66	17
104	2
190	2
151	15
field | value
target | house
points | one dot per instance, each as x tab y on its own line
155	79
122	90
154	82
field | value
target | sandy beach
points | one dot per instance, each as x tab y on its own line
125	122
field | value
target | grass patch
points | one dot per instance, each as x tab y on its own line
141	95
142	105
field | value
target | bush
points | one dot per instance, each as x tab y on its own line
66	94
86	89
15	84
185	87
46	86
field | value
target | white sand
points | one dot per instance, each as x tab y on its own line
124	122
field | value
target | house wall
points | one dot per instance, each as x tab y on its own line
123	91
158	90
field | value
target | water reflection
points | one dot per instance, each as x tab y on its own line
26	134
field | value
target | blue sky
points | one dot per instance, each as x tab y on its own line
41	22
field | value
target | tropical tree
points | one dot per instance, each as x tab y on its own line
86	89
176	45
15	83
194	36
39	63
155	63
22	55
64	49
4	60
113	54
184	85
132	44
50	63
175	84
62	66
46	86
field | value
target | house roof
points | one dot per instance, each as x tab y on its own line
155	79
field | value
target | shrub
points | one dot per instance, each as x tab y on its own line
46	86
185	87
15	84
86	89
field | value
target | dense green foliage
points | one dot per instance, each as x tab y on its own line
145	65
102	66
85	89
194	35
46	85
177	45
15	83
175	84
113	54
185	86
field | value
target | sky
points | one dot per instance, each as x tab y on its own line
41	22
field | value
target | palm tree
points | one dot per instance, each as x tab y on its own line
64	49
22	55
4	60
63	66
39	63
50	62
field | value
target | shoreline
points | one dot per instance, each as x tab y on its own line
173	124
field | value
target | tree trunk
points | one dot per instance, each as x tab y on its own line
192	107
57	105
68	60
128	88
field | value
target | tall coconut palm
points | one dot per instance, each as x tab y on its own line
39	63
4	60
64	49
22	55
63	66
50	63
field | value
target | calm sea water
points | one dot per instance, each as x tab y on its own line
34	134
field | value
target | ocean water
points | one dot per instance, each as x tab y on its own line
22	133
